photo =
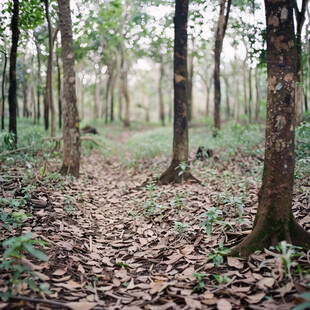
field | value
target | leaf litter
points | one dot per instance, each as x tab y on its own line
114	244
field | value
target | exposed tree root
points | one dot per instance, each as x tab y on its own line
174	174
263	236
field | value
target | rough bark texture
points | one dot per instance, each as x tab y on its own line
71	134
12	73
300	18
274	221
220	33
180	127
3	88
160	92
190	81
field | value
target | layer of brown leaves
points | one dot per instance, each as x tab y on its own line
113	243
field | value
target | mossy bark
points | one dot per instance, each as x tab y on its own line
274	220
180	82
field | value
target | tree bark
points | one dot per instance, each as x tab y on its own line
114	77
71	134
174	174
48	95
59	88
190	81
25	89
220	34
32	93
300	18
257	104
274	220
12	73
160	92
3	84
39	82
125	90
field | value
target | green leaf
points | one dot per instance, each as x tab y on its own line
302	306
209	229
35	253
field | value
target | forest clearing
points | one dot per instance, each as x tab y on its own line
174	170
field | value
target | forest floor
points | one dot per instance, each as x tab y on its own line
117	240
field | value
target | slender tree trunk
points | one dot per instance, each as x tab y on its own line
107	93
3	84
120	101
225	77
175	173
97	95
71	134
114	77
250	95
25	91
125	90
220	33
160	92
48	96
245	95
274	220
58	88
39	82
257	104
190	82
32	94
12	73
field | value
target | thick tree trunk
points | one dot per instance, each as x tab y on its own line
220	34
12	73
3	84
274	221
59	88
160	92
71	134
175	174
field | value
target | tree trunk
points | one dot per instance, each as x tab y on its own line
300	18
257	104
114	77
39	82
48	95
175	174
71	134
107	92
274	220
125	90
32	93
59	88
3	88
225	77
25	93
245	95
190	82
250	96
12	73
220	33
160	92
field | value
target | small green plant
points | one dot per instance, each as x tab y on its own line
8	141
178	200
288	253
13	219
183	167
11	261
151	206
221	279
180	227
199	277
217	255
69	204
213	215
306	302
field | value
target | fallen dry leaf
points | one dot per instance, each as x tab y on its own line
84	305
224	304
